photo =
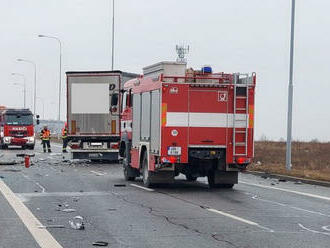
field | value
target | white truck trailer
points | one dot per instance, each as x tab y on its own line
93	113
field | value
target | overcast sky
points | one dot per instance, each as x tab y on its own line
232	36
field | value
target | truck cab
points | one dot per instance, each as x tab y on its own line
16	128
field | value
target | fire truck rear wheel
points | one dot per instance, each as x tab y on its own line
145	172
128	171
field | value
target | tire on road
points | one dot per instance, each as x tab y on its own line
129	173
146	174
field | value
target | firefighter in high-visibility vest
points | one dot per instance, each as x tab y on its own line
45	138
65	137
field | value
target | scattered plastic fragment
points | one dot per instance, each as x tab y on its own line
120	185
51	226
297	182
68	210
282	180
100	243
112	209
12	170
77	223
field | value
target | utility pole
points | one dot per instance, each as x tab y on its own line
290	91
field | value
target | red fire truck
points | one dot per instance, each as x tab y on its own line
176	120
16	128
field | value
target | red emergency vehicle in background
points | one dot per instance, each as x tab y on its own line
16	128
177	120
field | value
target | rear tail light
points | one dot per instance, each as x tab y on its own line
169	159
242	160
114	145
74	146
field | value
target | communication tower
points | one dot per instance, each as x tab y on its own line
182	50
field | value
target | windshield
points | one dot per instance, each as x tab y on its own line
19	120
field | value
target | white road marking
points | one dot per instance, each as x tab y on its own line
326	228
40	186
313	231
98	173
288	190
239	219
141	187
36	183
42	236
255	197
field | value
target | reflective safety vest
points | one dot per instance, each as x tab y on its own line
64	133
45	134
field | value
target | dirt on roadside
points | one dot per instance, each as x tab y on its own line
309	159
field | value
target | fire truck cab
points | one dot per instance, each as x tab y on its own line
16	128
194	122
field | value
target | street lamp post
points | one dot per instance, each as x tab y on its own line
290	93
35	82
60	76
43	107
113	35
24	85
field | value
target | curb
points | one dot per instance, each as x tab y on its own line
290	178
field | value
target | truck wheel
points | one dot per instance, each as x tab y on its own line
31	147
128	171
145	172
190	178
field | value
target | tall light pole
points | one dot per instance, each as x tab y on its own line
18	84
24	85
113	35
290	91
35	82
60	76
43	107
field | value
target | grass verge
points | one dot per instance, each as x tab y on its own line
310	160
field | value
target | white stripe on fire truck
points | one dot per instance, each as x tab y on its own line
185	119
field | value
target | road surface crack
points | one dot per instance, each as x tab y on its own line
170	220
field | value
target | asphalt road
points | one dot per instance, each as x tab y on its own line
37	204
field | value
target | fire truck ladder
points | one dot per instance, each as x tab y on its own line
240	122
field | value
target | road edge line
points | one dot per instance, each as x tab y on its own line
141	187
287	190
41	236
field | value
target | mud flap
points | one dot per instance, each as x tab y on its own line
226	177
162	177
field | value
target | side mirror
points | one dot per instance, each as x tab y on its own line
114	99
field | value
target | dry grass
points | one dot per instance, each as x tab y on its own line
309	159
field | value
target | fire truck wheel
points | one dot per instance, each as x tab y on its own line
128	171
190	178
31	147
145	172
4	147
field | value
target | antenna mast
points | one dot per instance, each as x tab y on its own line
182	51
